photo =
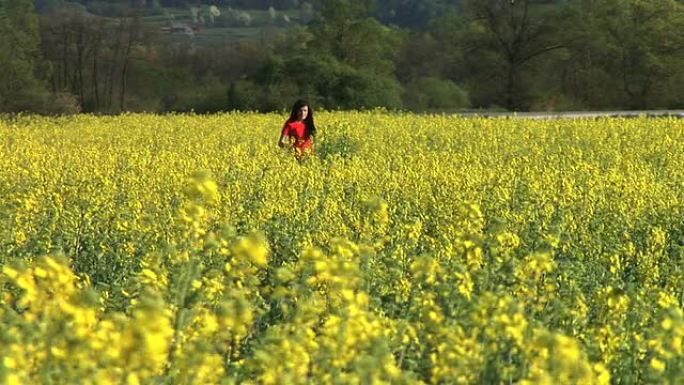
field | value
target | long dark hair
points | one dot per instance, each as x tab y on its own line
308	121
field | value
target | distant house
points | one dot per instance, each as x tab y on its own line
180	28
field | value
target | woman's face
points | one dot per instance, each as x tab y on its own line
303	112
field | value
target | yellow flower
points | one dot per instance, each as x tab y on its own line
657	365
9	362
13	379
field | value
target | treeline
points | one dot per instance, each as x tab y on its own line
424	55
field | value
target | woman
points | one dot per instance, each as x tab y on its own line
300	128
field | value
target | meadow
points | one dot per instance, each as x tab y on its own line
411	249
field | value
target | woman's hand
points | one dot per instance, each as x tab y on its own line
281	141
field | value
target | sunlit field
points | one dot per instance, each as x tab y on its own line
411	249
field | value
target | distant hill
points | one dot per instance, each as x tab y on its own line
406	14
204	24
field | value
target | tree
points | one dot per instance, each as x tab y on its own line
324	81
20	86
344	59
346	30
629	53
505	36
90	56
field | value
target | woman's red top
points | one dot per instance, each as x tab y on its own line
297	130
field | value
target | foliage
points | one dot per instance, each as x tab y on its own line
114	56
436	94
410	249
626	53
20	87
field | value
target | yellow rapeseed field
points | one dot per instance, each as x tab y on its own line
411	249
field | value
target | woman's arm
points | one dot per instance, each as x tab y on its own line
283	135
